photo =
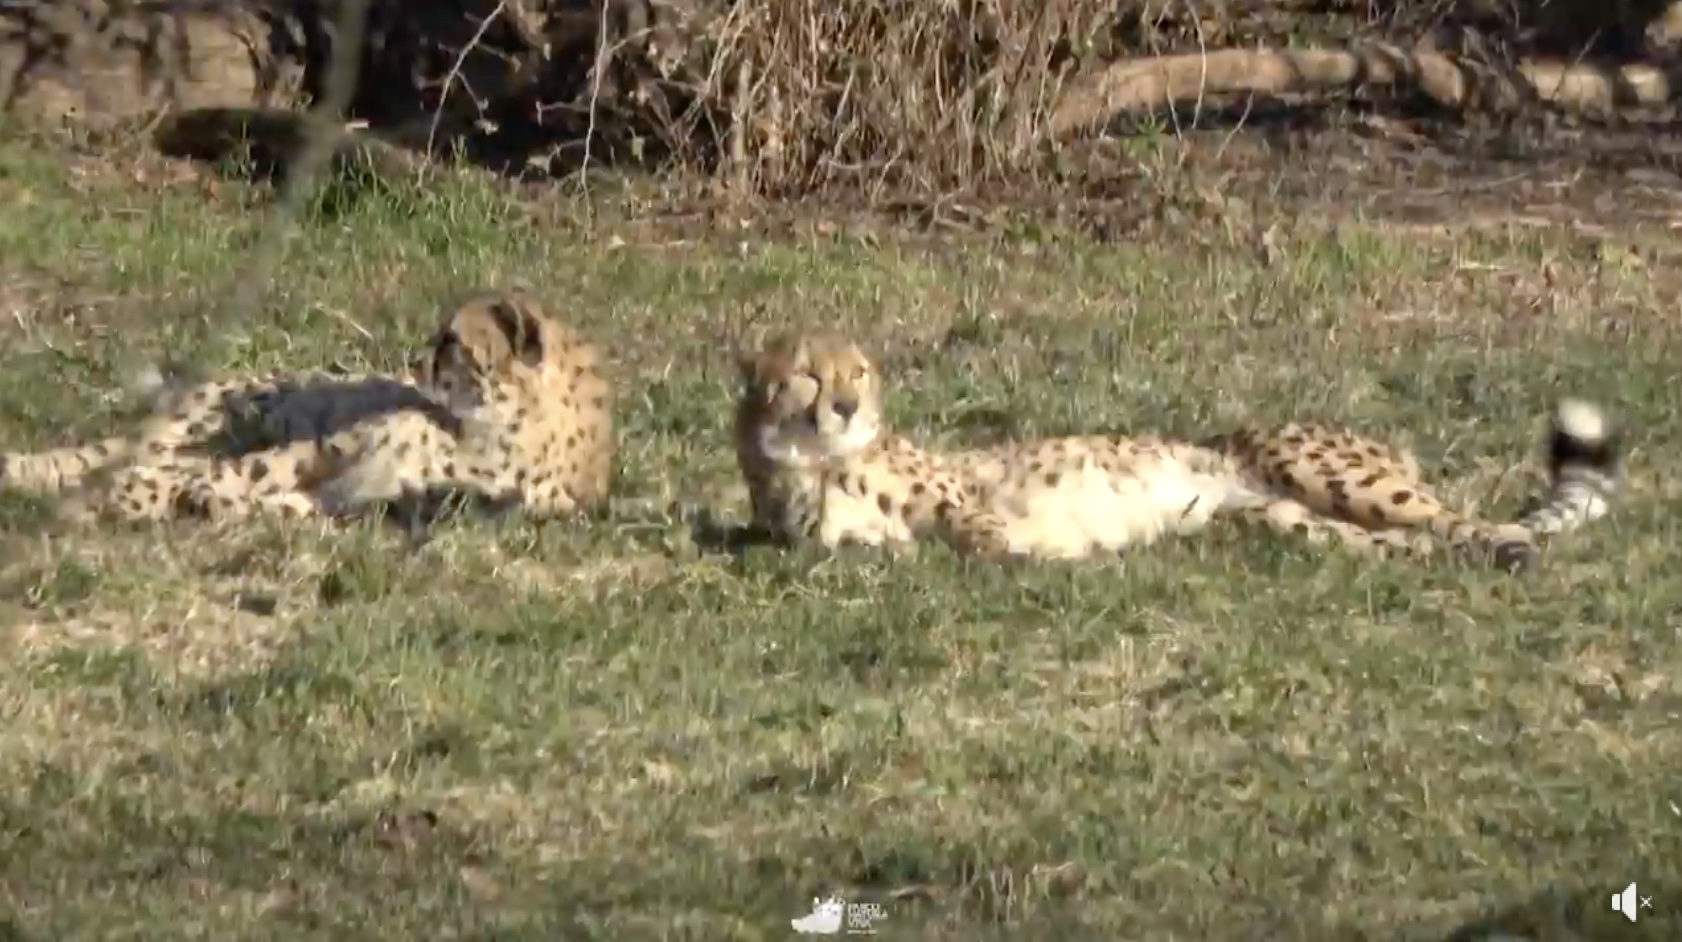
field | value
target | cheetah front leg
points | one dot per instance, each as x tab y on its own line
406	460
399	459
837	539
545	499
844	507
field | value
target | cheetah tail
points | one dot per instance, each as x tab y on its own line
1585	459
59	469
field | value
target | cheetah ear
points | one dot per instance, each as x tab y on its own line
761	379
495	328
519	319
765	366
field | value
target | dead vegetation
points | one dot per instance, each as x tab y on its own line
882	97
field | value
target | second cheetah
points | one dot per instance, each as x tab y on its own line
505	403
820	464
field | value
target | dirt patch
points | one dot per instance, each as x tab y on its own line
1358	162
1326	167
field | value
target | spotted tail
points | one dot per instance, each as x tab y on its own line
60	469
147	390
1585	460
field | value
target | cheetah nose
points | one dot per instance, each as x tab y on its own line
845	408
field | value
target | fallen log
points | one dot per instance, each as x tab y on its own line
1161	82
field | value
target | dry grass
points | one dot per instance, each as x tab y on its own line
598	731
884	100
866	97
887	97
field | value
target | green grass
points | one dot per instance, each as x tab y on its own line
594	731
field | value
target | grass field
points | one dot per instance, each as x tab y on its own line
599	731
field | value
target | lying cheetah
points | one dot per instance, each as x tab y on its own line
819	463
504	404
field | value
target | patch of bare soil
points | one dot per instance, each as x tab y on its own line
1418	173
1235	172
1541	170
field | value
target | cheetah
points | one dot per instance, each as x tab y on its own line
505	404
820	464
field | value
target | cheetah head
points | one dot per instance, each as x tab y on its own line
808	398
489	341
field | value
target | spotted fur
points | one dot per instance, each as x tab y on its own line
820	465
505	404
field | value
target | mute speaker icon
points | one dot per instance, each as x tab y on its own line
1624	902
